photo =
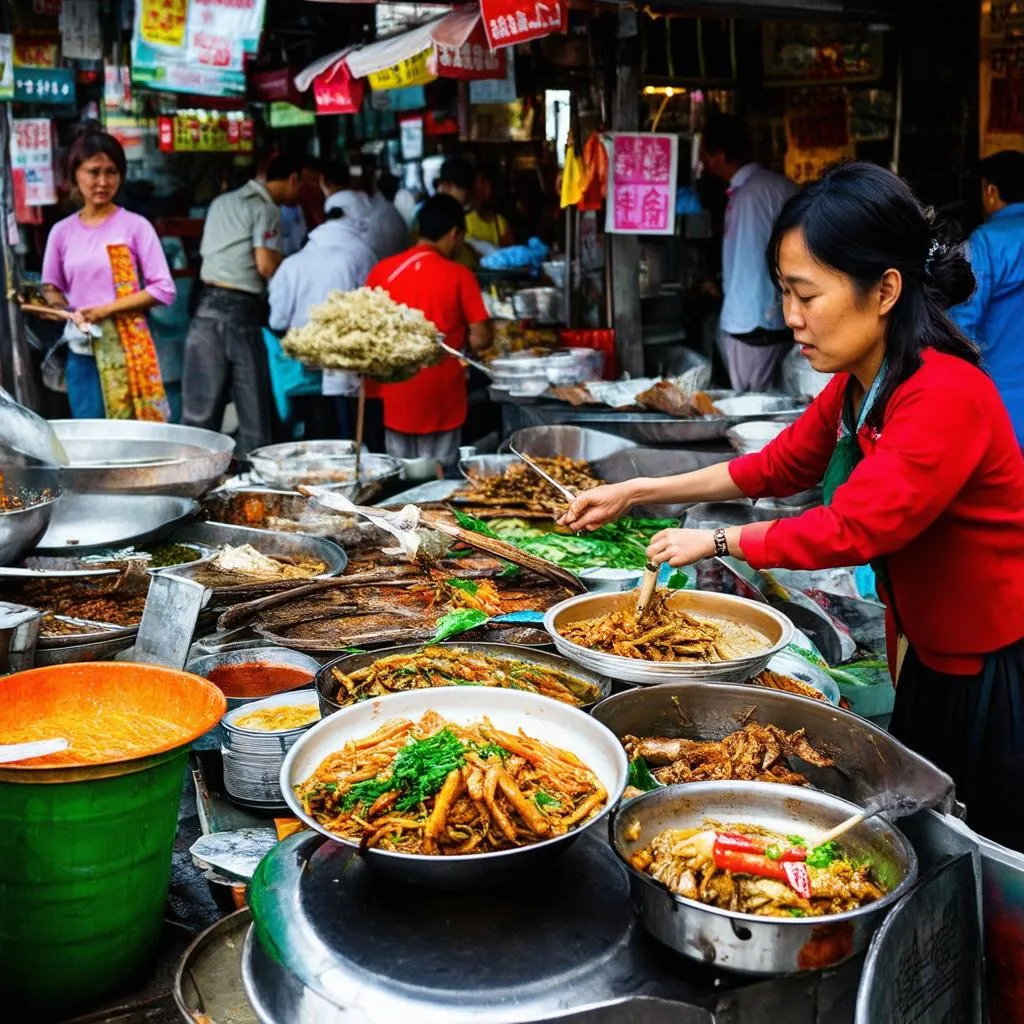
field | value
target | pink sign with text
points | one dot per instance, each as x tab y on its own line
642	185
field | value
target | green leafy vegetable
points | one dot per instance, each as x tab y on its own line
796	912
679	581
474	524
456	622
467	585
796	840
542	800
640	776
418	771
822	856
492	750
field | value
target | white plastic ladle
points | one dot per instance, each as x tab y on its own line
36	748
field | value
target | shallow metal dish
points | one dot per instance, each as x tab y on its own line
102	650
750	407
22	529
789	664
321	464
774	626
511	710
572	442
746	942
326	687
81	522
868	761
145	458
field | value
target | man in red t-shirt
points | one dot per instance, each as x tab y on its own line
423	417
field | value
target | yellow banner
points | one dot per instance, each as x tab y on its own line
163	22
414	71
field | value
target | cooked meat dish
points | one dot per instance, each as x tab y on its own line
437	787
665	634
455	666
519	485
576	395
669	398
752	870
756	753
779	681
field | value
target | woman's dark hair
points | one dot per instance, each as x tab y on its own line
863	220
95	143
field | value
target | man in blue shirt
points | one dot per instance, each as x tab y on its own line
753	336
994	314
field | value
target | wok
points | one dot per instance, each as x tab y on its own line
510	710
745	942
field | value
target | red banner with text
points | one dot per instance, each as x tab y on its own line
508	22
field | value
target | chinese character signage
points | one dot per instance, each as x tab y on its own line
221	32
32	160
337	92
642	185
6	67
44	85
81	38
202	131
473	60
1002	77
508	22
414	71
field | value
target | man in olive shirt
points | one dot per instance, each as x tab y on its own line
224	353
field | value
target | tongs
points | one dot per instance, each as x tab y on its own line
650	578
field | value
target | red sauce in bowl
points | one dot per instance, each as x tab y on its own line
256	679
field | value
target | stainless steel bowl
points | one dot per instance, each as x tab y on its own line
773	625
541	304
22	529
752	436
323	464
326	687
510	710
145	458
746	942
572	442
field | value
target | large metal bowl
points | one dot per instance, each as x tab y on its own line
746	942
572	442
511	710
326	686
774	626
323	464
21	530
146	458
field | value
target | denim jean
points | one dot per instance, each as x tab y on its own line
85	394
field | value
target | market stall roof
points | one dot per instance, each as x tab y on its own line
885	10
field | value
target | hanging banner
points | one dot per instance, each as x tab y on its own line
36	51
509	22
469	61
162	22
413	71
337	92
6	67
32	159
497	90
117	89
205	131
81	38
642	183
411	138
221	32
44	85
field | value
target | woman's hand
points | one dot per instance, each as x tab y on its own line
598	506
85	318
681	547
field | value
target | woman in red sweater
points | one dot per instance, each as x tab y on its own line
920	469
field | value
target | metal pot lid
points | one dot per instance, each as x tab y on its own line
561	937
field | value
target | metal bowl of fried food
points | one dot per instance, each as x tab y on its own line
357	677
757	630
547	729
773	940
22	528
323	464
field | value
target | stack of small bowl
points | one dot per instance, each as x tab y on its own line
253	757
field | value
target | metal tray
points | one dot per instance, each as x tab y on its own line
868	761
145	458
316	463
268	542
92	522
509	652
773	625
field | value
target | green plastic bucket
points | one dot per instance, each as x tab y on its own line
85	850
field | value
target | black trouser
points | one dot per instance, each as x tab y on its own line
972	727
225	358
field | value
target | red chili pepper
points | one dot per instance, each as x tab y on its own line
743	863
793	854
739	843
798	878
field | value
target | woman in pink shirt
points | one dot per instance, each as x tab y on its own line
106	265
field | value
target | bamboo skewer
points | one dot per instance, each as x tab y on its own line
360	425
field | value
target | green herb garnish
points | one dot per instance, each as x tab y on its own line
542	800
492	750
822	856
797	840
772	852
640	776
796	912
467	585
474	524
679	581
456	622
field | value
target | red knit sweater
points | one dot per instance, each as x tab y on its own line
939	492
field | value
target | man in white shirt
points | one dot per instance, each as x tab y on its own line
389	234
753	336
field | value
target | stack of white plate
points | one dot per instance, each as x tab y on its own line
253	758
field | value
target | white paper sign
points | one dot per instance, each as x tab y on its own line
221	32
6	67
81	38
32	154
411	138
642	183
